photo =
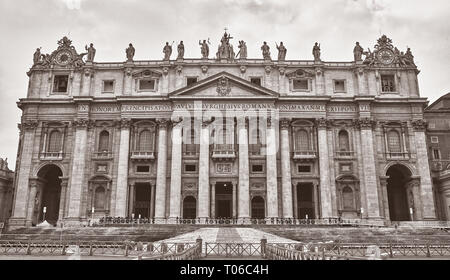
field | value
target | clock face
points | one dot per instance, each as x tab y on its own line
386	56
63	58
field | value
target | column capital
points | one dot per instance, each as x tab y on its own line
64	182
82	123
176	120
206	121
28	125
285	123
419	125
323	123
364	123
243	121
162	123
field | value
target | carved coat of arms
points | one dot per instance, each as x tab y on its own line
223	87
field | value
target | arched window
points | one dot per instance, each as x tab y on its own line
145	141
302	140
344	144
54	142
99	198
103	143
394	141
347	198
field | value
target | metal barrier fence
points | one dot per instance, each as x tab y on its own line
190	253
395	250
277	252
232	249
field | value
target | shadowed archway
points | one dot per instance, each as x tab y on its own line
399	176
49	194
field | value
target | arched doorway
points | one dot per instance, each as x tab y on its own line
189	207
258	208
49	194
305	201
398	175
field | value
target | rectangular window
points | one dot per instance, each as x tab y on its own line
190	167
388	83
339	86
143	168
191	80
304	168
257	168
108	86
60	83
300	84
147	84
256	81
434	139
436	154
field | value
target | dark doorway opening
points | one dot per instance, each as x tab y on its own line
142	200
305	201
397	197
258	208
224	200
50	194
189	207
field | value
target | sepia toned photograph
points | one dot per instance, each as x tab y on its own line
233	130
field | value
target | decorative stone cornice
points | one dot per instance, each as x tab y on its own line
179	69
162	123
365	123
268	69
285	123
243	68
205	69
419	125
83	123
125	123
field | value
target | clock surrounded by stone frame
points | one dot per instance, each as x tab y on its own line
386	56
63	57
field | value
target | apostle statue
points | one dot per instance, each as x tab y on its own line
358	52
180	50
265	51
242	50
130	52
316	52
37	56
167	50
204	49
409	58
281	51
90	53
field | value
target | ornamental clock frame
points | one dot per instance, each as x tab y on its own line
386	56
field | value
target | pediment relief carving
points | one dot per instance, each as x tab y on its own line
146	73
300	73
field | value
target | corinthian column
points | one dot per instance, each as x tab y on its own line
175	176
244	189
20	200
122	171
271	179
203	172
286	170
161	172
78	168
368	163
325	193
426	188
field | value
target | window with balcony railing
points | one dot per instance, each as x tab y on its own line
344	145
52	145
103	150
394	143
302	145
145	145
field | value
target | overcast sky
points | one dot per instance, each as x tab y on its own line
112	24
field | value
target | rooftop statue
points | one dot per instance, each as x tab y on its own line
204	48
281	51
242	50
90	52
358	52
316	52
180	49
225	49
266	51
37	56
167	50
130	52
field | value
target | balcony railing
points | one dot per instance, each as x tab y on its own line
304	155
142	155
397	155
256	149
223	151
51	155
102	155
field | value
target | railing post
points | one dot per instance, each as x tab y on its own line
63	251
29	247
90	249
126	249
391	254
323	254
199	242
263	247
428	251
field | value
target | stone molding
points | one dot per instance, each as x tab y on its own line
83	123
28	125
285	123
162	123
323	123
419	125
365	123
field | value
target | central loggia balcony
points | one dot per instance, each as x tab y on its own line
191	150
223	151
51	156
397	156
103	155
304	155
142	155
345	154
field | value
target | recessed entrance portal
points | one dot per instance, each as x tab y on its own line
189	207
258	209
224	200
50	194
305	201
398	175
142	200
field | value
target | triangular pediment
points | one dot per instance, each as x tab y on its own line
223	85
